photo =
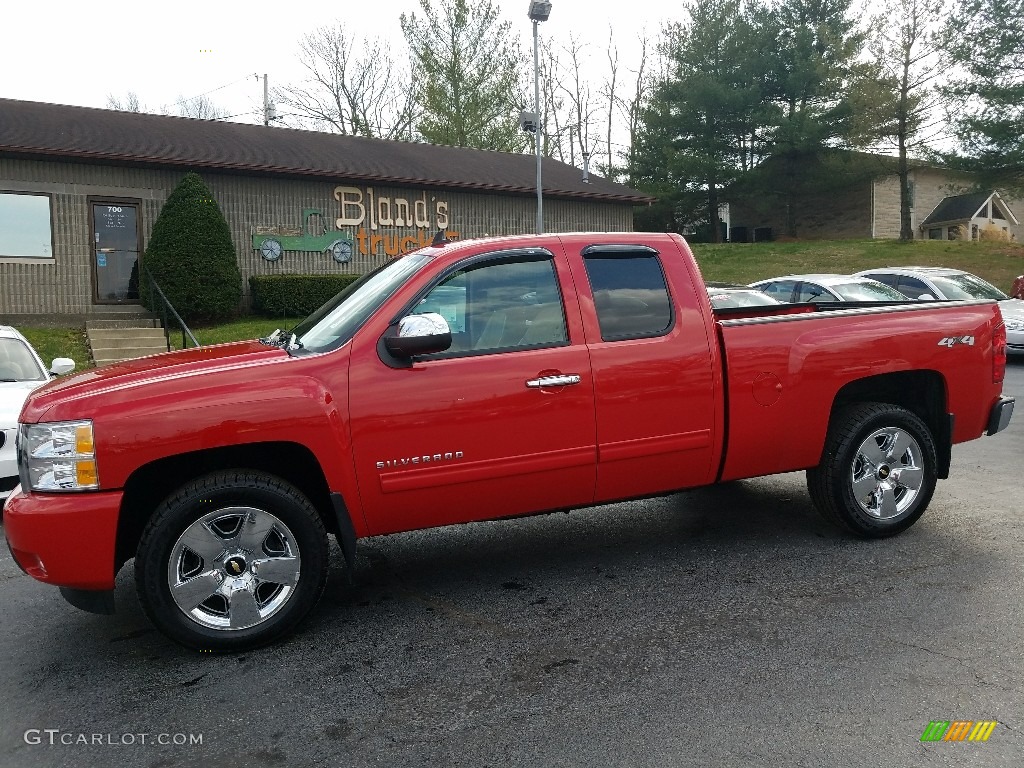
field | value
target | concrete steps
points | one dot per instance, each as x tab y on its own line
114	340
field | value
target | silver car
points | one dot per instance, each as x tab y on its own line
21	371
825	288
932	283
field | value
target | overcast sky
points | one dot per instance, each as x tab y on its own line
78	52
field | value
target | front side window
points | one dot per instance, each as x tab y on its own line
500	306
630	295
780	290
914	288
814	292
25	230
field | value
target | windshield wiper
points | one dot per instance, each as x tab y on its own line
285	340
277	339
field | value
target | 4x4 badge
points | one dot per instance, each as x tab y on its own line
952	341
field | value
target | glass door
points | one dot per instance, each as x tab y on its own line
116	252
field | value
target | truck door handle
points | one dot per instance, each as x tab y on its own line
559	380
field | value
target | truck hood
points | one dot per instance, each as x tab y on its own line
132	373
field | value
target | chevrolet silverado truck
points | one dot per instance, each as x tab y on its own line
477	380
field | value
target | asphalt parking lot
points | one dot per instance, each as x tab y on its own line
726	626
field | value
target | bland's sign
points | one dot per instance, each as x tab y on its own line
370	211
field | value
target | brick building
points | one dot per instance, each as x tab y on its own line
80	189
865	203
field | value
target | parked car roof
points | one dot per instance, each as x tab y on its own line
839	287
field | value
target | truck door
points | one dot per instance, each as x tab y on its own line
653	373
500	424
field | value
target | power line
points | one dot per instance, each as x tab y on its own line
221	87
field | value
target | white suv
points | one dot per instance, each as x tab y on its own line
21	371
931	283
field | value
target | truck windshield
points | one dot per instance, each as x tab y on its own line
967	286
336	321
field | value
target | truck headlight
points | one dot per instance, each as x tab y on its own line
57	457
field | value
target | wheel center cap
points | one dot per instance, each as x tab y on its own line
884	472
235	566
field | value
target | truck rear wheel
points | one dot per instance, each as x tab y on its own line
231	561
877	472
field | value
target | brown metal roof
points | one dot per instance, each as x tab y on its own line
53	131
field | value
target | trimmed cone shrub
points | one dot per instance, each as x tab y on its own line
191	255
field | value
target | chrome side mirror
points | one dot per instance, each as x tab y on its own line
423	334
61	365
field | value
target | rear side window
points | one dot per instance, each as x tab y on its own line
630	295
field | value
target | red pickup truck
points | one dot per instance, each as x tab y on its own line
478	380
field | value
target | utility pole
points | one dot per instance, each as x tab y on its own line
539	11
266	102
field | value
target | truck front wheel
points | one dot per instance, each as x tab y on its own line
877	472
231	561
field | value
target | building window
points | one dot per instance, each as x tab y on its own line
25	229
996	213
935	233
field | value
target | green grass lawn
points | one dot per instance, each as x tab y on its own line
997	262
59	342
236	330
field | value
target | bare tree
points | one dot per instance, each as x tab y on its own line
579	99
632	106
611	101
130	102
352	87
199	107
898	103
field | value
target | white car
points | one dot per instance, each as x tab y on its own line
939	283
21	371
825	288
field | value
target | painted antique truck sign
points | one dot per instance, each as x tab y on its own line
336	244
478	380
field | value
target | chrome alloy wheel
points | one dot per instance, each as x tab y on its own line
233	568
887	473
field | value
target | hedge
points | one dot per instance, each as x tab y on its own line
294	295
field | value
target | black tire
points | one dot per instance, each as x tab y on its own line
259	522
875	453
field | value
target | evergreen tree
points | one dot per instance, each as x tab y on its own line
191	255
701	119
468	70
808	51
985	41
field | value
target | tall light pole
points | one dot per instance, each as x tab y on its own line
539	11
